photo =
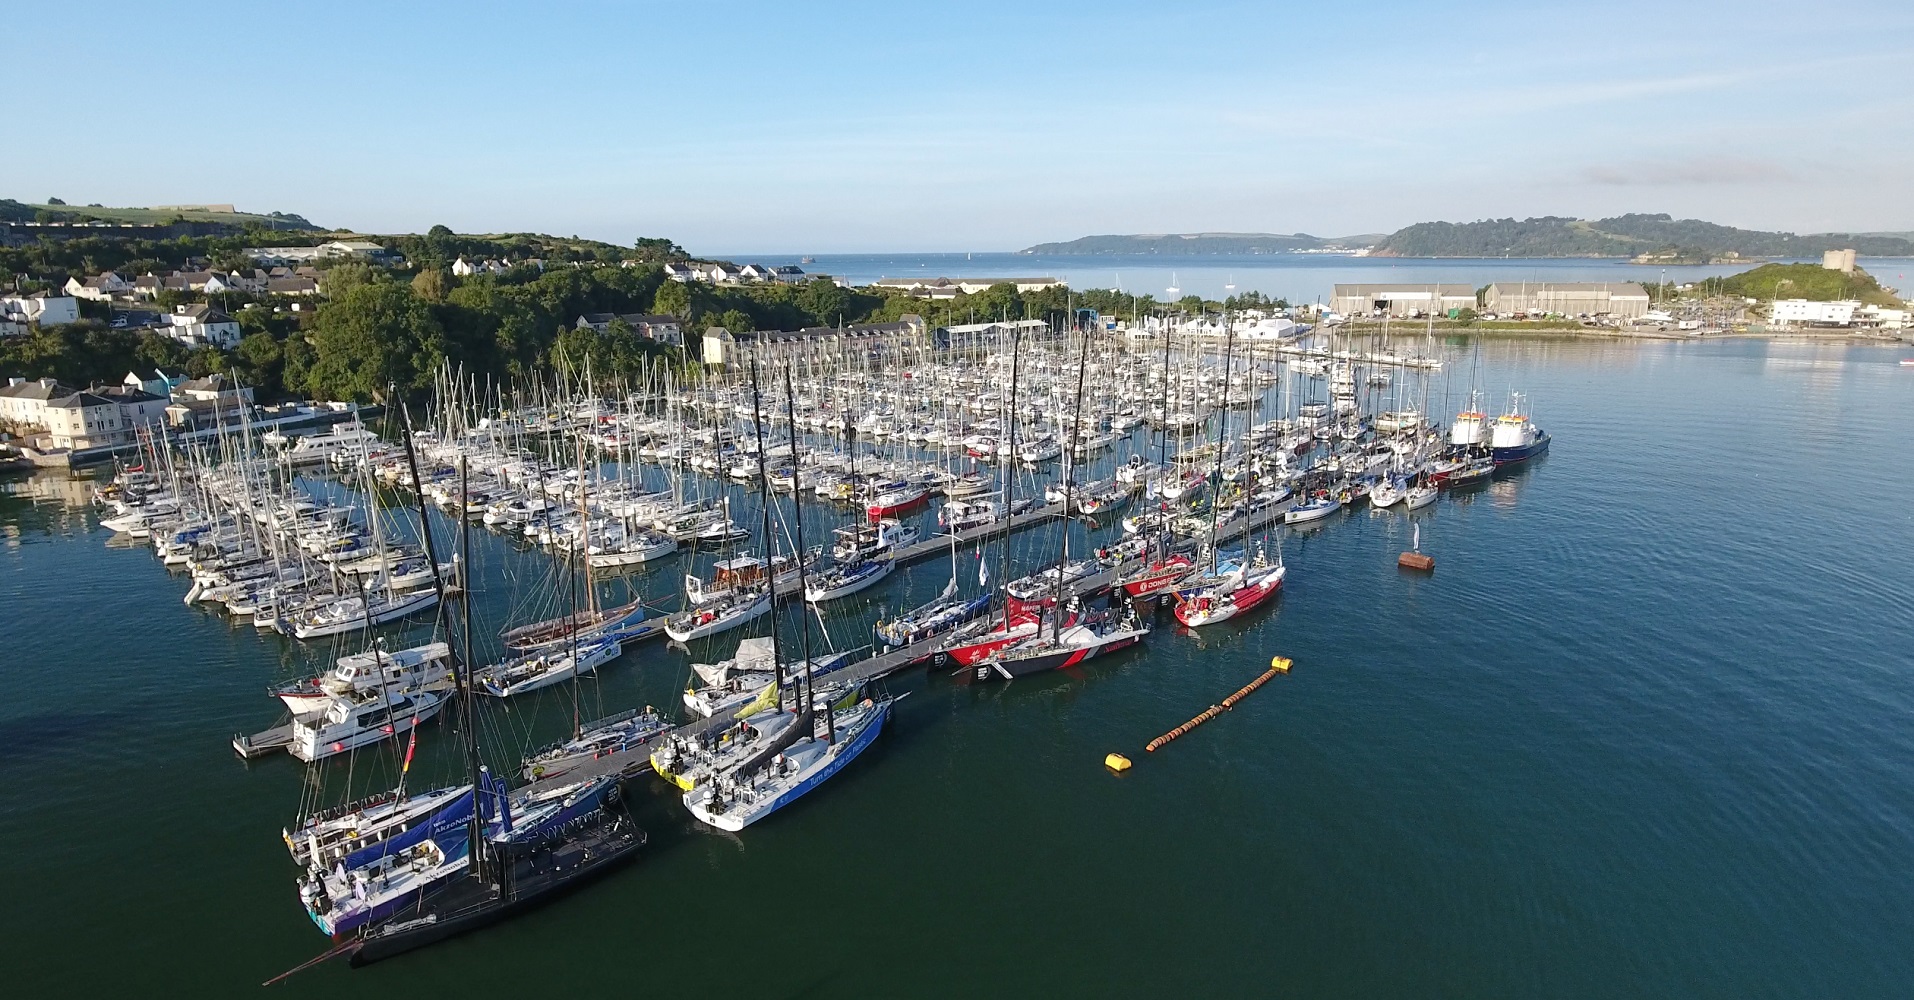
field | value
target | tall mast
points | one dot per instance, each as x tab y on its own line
461	668
797	529
1063	551
1010	473
1222	430
770	546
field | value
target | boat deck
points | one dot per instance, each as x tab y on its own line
260	744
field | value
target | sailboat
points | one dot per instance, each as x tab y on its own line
943	613
419	888
791	766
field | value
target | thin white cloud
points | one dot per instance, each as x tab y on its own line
1695	171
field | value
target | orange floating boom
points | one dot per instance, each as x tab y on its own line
1279	665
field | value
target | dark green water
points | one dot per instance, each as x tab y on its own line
1645	732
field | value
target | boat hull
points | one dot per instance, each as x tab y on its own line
1513	456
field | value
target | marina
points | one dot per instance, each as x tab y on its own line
1311	620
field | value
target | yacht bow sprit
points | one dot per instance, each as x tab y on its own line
1003	502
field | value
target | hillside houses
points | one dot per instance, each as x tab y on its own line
656	328
721	273
201	324
19	313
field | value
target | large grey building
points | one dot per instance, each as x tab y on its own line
1621	300
1400	300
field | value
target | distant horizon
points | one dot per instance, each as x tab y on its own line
1006	126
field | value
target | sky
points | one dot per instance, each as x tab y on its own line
885	127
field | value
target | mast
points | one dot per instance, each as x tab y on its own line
1222	430
1010	473
1063	551
797	522
461	677
770	547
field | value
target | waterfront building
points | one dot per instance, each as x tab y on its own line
85	420
1400	300
1621	300
1802	312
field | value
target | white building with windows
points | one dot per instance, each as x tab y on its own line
40	309
1803	312
202	324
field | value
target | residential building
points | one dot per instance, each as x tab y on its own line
147	286
84	420
23	402
658	328
213	387
158	384
680	272
1400	300
40	309
201	323
1621	300
756	272
787	272
103	287
138	407
968	286
294	286
1802	312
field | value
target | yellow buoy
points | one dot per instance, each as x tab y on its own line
1280	664
1117	762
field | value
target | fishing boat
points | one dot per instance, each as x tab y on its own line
552	665
741	798
1513	439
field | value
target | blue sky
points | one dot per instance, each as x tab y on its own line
976	126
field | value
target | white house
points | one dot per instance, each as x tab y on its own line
84	420
23	402
102	287
1802	312
969	286
681	272
138	407
462	269
757	272
40	308
200	323
787	272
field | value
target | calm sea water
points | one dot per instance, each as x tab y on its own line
1297	277
1644	732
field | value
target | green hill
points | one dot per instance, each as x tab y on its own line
1620	236
17	211
1181	244
1806	281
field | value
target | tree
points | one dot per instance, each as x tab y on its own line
826	303
430	284
55	201
673	299
439	232
374	337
